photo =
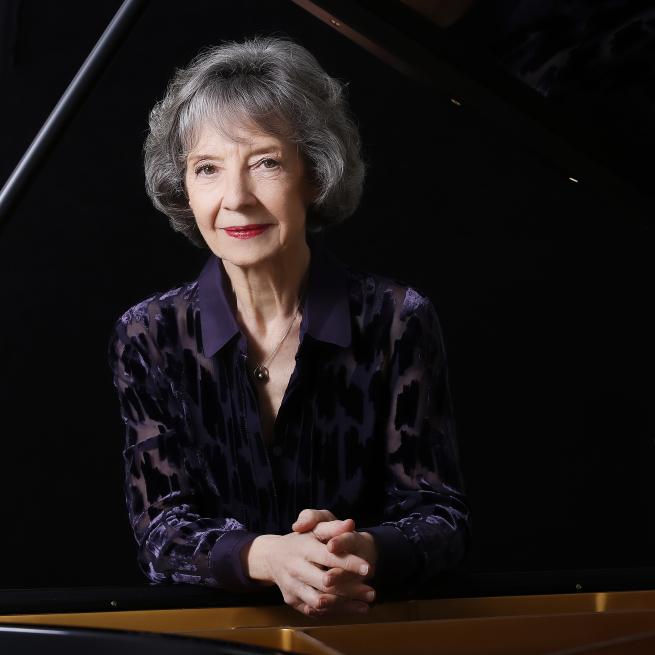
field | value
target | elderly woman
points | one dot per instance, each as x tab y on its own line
288	419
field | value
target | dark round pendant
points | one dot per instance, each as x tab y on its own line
261	373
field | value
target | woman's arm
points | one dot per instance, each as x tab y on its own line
177	541
426	516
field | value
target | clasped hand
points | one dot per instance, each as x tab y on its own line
321	566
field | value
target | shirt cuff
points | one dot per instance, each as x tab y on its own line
396	557
226	565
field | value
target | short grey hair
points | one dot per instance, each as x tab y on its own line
280	87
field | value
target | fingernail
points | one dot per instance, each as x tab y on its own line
370	596
363	569
362	609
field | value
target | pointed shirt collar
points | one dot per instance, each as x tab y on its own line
327	308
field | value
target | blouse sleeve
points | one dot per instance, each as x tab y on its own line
177	541
427	519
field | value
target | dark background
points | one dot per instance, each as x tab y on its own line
543	287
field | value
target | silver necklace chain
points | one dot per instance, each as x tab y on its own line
260	372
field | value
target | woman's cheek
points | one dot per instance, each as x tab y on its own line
207	212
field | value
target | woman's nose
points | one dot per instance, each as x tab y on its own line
236	190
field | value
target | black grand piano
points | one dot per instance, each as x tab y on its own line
521	133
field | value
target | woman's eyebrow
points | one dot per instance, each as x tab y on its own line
256	151
194	158
266	148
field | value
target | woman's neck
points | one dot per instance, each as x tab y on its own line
267	294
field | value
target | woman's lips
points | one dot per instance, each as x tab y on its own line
246	231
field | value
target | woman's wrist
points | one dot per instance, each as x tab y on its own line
255	558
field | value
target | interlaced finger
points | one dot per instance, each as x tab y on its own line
309	595
346	542
337	576
319	554
321	603
308	518
351	588
342	607
326	530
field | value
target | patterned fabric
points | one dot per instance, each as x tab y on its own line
365	428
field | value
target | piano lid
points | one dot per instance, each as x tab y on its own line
574	80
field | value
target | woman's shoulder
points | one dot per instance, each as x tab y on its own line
159	305
149	327
391	308
380	291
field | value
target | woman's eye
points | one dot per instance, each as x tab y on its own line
269	163
206	169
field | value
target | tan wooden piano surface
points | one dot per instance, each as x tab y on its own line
608	623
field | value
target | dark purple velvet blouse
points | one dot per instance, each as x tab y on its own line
365	428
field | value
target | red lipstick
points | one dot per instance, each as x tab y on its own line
246	231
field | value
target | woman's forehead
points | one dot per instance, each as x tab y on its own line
227	133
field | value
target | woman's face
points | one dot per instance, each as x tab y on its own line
257	179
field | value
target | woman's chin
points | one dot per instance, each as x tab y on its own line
247	253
